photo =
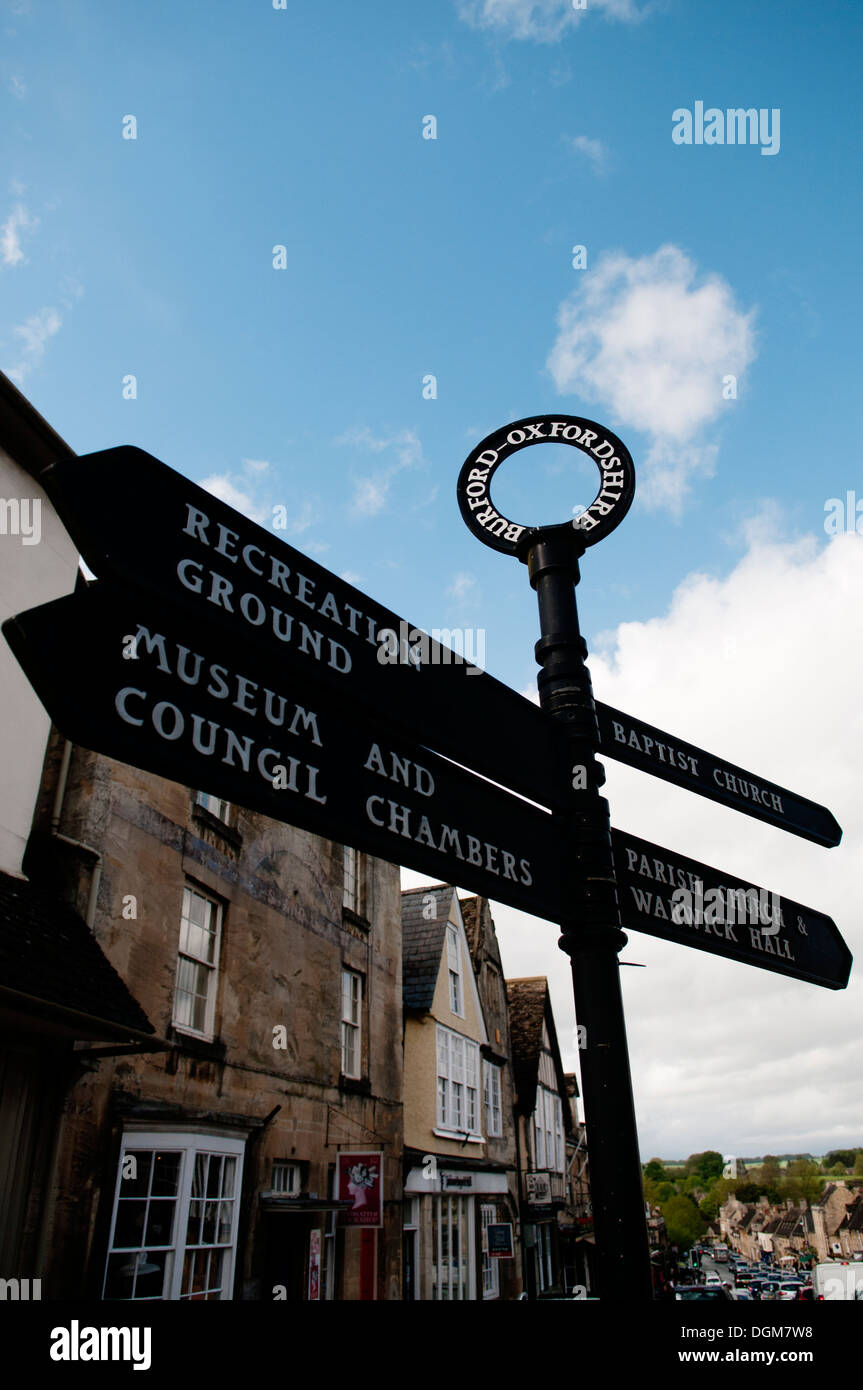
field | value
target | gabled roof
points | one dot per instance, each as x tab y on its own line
422	943
50	962
853	1218
530	1009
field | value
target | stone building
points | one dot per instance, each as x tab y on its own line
458	1131
828	1214
544	1127
207	1101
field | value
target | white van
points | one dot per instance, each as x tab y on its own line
837	1280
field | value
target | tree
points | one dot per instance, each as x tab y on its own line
802	1181
655	1170
707	1166
683	1221
858	1166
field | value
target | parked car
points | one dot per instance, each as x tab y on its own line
710	1279
715	1292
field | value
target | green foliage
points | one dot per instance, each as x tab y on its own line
683	1221
846	1157
707	1166
655	1170
858	1166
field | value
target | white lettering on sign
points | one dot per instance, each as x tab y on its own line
610	456
652	748
306	595
411	824
677	896
213	740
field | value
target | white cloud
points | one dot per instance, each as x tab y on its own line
34	334
761	667
593	150
242	491
463	586
371	491
18	221
652	342
350	577
18	87
543	20
222	486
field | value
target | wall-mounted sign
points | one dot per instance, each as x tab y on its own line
499	1238
538	1188
314	1265
361	1182
607	510
456	1182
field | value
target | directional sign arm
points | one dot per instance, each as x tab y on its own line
631	741
679	899
143	525
157	693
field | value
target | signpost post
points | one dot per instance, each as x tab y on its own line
591	934
663	893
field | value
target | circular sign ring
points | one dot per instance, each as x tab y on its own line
607	510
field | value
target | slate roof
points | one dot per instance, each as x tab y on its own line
422	944
529	1008
853	1218
48	951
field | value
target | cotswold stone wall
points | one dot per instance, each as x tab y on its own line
285	940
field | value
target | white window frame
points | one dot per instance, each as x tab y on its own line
457	1082
190	1146
492	1099
548	1140
353	893
454	964
453	1254
490	1264
287	1179
216	805
212	967
352	1022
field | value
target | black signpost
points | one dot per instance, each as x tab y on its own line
215	654
663	894
591	934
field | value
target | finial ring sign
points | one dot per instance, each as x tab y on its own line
607	510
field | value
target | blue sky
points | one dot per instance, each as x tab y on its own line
302	127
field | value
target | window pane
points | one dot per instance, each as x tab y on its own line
129	1230
135	1173
214	1174
160	1222
228	1175
166	1174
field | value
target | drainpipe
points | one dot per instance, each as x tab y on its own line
59	797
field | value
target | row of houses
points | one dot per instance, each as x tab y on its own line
829	1229
236	1061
